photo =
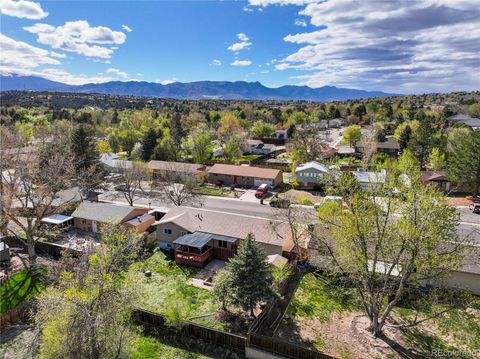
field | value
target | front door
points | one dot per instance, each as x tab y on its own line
94	227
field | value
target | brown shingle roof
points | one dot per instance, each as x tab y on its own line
245	171
227	224
176	166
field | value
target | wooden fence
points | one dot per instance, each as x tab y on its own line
14	315
216	337
283	348
51	249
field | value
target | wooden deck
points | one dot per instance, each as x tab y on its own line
193	259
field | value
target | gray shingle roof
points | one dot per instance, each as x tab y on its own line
227	224
102	212
245	171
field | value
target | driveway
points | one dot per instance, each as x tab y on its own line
249	196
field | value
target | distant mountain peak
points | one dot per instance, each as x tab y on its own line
237	90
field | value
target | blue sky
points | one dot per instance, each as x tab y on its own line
402	46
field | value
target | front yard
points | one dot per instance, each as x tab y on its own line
327	317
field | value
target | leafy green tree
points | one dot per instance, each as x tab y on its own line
456	137
262	129
229	124
128	138
114	140
422	141
87	314
166	150
200	144
352	134
251	275
222	288
464	162
233	149
387	246
149	141
436	160
474	110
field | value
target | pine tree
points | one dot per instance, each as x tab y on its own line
405	138
251	275
149	141
84	148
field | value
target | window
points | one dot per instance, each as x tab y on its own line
83	221
184	233
167	231
222	244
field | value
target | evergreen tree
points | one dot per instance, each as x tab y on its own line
149	141
84	148
251	275
405	138
166	150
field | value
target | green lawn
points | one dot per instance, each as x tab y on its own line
214	191
19	288
317	297
144	347
167	291
249	157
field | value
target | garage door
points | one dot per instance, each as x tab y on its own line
259	181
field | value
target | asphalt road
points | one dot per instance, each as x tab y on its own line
469	224
231	205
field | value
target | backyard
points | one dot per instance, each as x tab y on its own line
326	316
169	292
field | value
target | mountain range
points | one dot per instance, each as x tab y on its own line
191	90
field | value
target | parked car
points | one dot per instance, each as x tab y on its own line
121	187
475	208
280	203
262	190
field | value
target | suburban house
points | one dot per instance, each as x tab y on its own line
258	147
89	216
200	235
473	123
390	147
141	223
111	162
281	134
332	123
246	176
439	179
164	168
370	180
311	174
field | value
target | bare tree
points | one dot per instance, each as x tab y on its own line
297	219
31	187
178	185
133	175
308	144
368	145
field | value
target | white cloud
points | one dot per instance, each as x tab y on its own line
117	72
57	55
167	82
396	46
243	44
23	59
23	9
241	63
139	74
127	28
18	55
247	9
242	37
78	36
300	22
216	62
